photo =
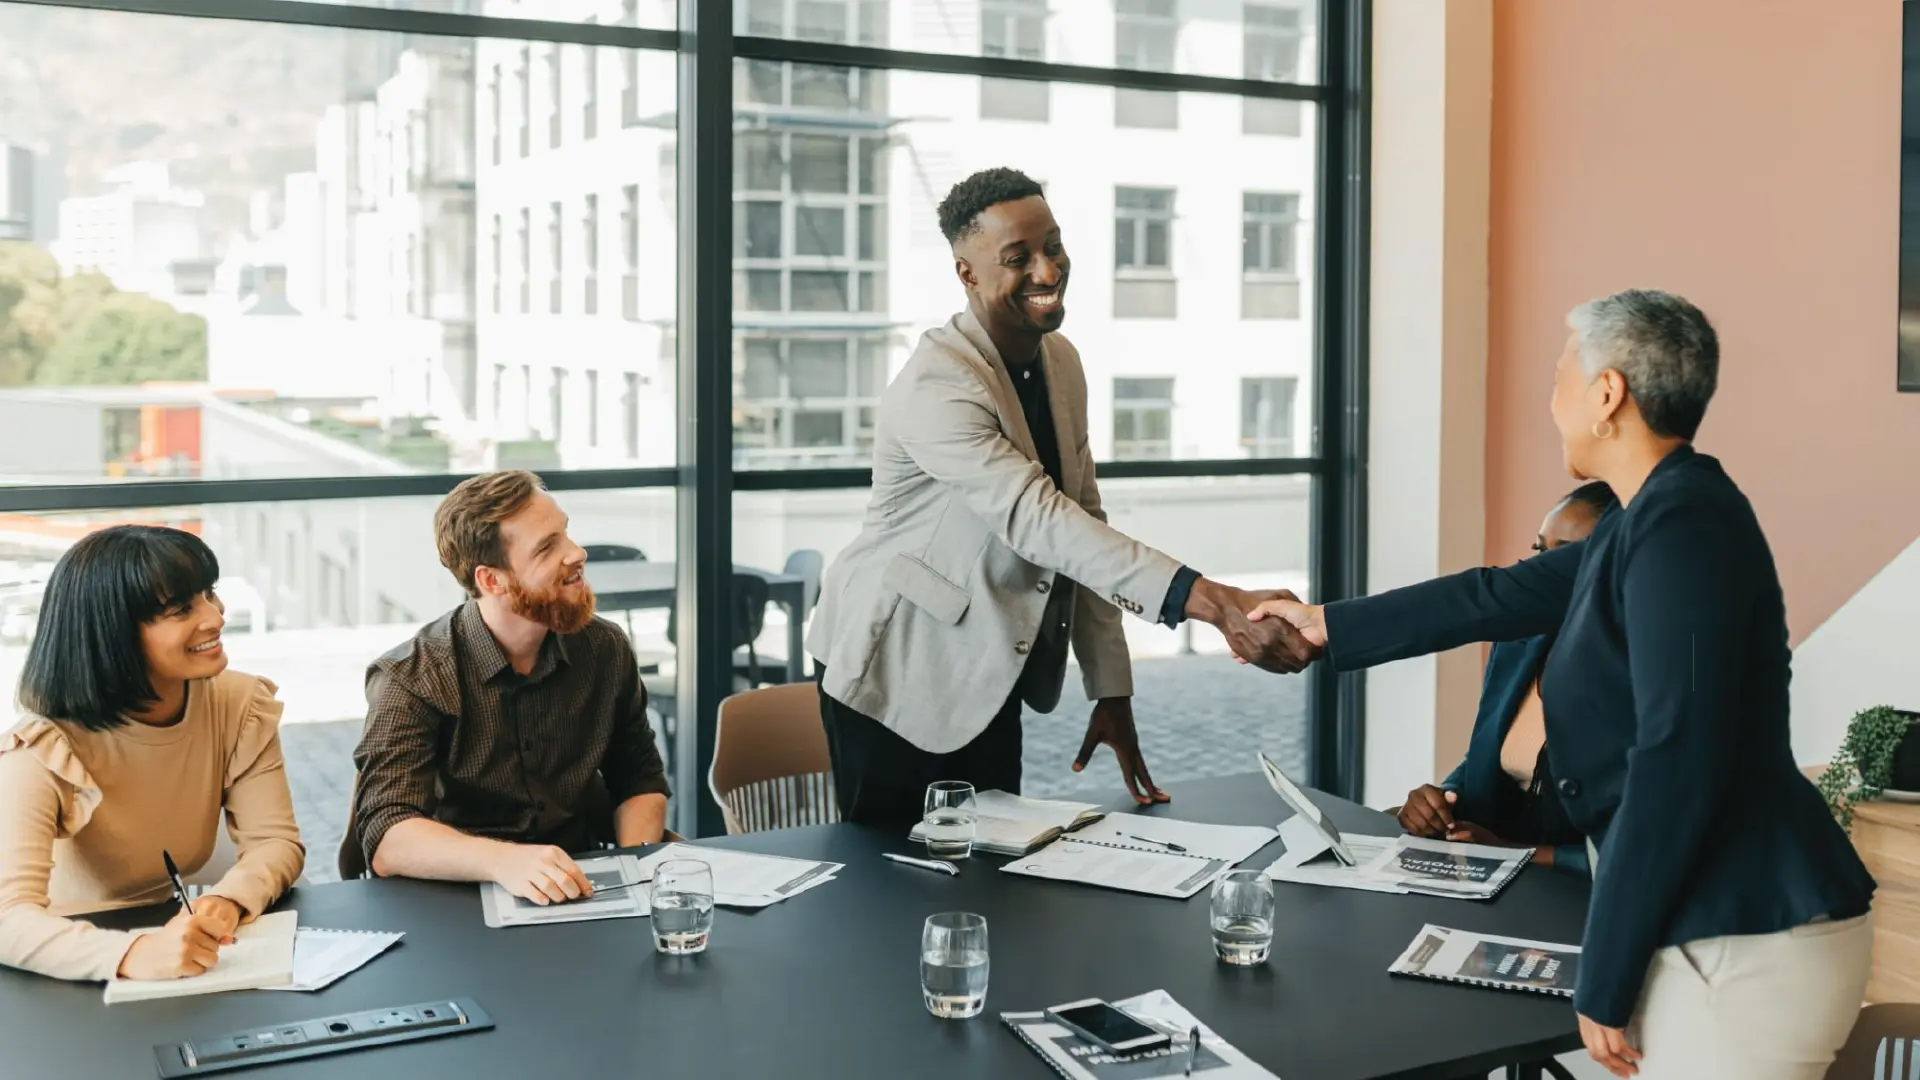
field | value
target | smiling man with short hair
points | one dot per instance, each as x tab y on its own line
985	554
492	731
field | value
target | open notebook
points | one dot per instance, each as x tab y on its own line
261	955
1012	825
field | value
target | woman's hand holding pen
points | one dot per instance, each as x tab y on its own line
188	945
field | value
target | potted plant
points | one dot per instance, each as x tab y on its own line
1880	752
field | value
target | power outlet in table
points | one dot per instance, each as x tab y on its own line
322	1035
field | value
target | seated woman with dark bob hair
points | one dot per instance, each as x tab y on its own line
1502	793
136	737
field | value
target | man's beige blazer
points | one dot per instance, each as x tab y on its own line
926	620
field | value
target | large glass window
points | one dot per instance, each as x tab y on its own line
302	268
836	237
293	255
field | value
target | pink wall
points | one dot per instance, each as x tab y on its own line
1745	154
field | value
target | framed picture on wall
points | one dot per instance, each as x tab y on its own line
1908	364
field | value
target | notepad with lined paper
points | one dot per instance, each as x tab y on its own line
261	955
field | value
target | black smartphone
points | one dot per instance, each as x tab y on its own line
1107	1026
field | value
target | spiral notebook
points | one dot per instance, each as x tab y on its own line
1497	963
1145	854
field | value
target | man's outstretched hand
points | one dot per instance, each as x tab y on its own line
1112	724
1272	645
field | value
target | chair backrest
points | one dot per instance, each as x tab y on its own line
751	595
350	860
770	766
1883	1045
807	565
613	553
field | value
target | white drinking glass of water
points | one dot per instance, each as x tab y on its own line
953	964
682	906
1243	917
949	821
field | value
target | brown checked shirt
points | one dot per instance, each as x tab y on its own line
454	734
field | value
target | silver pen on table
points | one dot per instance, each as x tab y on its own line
1193	1048
929	864
1168	844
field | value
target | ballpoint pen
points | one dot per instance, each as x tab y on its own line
1168	844
179	887
930	864
1193	1048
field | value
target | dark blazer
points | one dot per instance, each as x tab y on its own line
1666	714
1478	780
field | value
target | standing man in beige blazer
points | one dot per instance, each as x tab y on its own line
985	554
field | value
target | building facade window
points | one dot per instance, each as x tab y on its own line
1271	44
630	413
593	408
808	211
524	77
499	392
1146	35
494	244
1144	286
590	256
525	251
556	263
1142	419
556	81
807	401
589	91
1266	416
1016	29
494	107
630	252
556	403
1269	255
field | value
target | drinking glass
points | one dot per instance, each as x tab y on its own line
953	964
949	821
1243	917
682	906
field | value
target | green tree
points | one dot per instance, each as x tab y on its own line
79	330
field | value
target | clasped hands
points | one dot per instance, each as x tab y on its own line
1270	628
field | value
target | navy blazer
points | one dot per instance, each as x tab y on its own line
1666	715
1512	667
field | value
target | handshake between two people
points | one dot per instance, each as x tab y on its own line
1269	628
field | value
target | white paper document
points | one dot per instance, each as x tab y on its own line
615	897
260	956
1014	825
744	879
323	957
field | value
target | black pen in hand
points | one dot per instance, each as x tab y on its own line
179	886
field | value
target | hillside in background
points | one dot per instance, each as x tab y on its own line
232	106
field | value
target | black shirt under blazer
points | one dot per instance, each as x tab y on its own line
1666	715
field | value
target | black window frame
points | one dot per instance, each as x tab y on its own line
707	478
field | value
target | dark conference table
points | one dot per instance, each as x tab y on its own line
827	984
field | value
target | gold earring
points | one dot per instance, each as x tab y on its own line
1598	434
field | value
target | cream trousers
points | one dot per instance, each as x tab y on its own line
1756	1007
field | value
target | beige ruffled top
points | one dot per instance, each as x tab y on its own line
84	816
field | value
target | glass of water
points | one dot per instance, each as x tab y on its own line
949	820
682	906
1243	917
953	964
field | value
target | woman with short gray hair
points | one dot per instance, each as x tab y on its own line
1728	932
